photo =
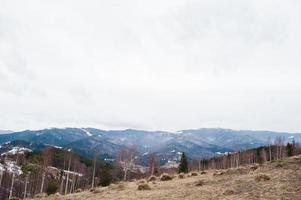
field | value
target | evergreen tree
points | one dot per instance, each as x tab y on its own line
183	167
258	155
290	149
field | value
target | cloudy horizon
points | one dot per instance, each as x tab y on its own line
153	65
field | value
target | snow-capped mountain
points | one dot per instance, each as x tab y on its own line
197	143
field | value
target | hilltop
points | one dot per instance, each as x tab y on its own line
272	180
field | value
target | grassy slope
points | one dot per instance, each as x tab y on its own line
285	183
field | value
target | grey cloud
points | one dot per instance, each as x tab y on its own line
150	64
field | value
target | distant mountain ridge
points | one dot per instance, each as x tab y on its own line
197	143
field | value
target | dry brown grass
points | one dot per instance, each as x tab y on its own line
229	192
194	174
199	183
143	186
14	198
40	195
181	176
234	184
152	178
166	177
262	177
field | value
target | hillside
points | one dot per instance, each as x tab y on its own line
197	143
272	180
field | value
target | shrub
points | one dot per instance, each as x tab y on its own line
143	186
152	178
262	177
95	190
181	175
194	174
203	172
253	168
199	183
78	190
52	187
279	165
229	192
165	177
218	173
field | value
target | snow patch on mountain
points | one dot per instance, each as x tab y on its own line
87	132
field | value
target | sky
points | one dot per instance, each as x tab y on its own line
154	65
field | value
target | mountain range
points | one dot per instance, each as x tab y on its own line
196	143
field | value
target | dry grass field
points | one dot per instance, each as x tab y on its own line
279	180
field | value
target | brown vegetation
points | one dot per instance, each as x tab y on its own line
194	174
262	177
143	186
152	178
285	184
165	177
181	175
199	183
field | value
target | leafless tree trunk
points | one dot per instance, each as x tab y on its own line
68	174
25	189
270	152
93	176
62	182
43	180
1	174
73	183
152	165
127	160
12	186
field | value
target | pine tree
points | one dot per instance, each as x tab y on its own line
289	149
183	167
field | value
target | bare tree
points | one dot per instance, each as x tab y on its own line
279	142
153	166
270	149
68	174
93	176
127	161
26	183
12	186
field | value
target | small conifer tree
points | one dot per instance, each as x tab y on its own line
183	167
290	149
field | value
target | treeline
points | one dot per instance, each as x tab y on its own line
50	171
275	151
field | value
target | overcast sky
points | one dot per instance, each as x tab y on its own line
159	64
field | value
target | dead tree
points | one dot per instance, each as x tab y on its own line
93	175
25	189
153	165
12	186
68	174
127	161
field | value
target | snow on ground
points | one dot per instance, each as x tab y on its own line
17	150
87	132
72	173
57	147
11	167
